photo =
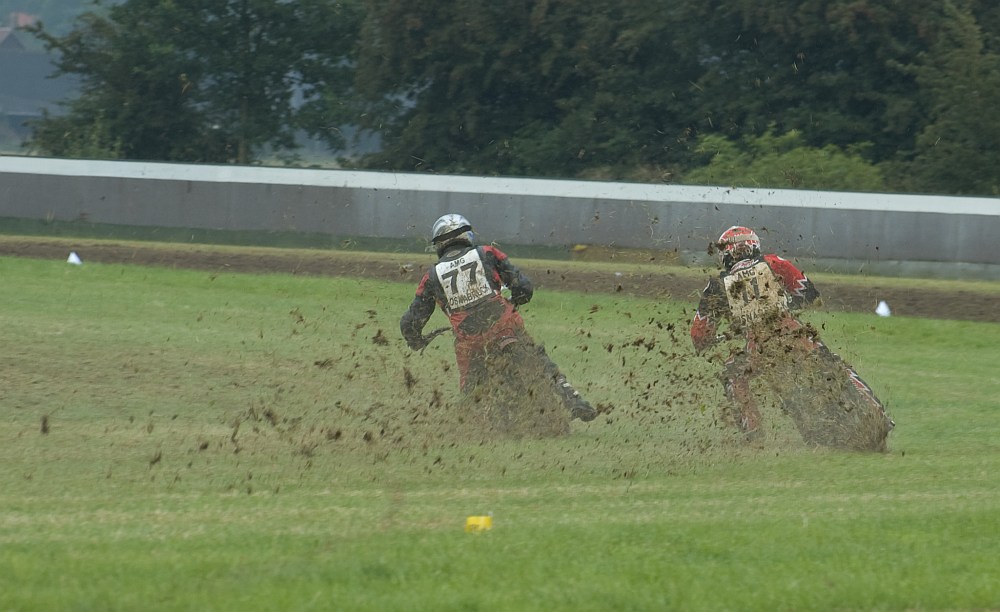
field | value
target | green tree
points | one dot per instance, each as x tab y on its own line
519	87
782	161
576	88
569	88
135	103
193	80
956	151
834	70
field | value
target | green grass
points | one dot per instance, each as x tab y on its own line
180	440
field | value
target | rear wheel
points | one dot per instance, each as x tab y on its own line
517	396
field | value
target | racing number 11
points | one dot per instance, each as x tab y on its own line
747	297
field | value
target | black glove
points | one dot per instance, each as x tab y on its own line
417	343
520	296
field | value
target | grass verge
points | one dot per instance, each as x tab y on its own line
177	439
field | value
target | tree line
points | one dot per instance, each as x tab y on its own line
873	95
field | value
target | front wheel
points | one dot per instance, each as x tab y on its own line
831	406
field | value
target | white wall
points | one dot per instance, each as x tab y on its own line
952	235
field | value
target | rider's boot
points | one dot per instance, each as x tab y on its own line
579	408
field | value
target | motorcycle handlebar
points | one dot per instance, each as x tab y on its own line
434	334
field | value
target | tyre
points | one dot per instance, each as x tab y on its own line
517	397
832	407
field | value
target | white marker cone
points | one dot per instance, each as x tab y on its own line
882	309
74	259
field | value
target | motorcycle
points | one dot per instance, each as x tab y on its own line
829	403
514	385
832	407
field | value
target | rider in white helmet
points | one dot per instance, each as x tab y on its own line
466	284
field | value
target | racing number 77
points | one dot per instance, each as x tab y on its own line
452	275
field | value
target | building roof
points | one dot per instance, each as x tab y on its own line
9	41
28	77
28	85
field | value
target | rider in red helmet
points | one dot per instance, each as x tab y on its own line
466	284
758	295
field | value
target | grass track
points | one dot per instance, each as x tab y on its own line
225	441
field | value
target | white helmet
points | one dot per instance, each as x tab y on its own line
449	229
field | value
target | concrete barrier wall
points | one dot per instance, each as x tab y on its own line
925	234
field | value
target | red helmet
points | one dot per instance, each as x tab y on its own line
738	243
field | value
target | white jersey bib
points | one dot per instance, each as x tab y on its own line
754	293
464	280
